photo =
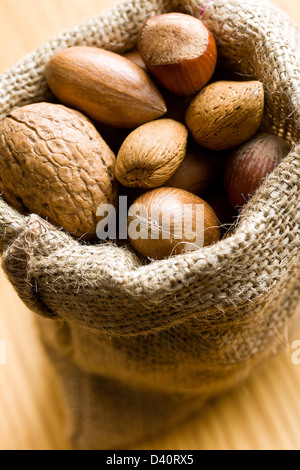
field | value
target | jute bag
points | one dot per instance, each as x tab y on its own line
139	346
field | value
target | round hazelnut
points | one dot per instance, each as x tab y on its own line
250	164
179	51
169	221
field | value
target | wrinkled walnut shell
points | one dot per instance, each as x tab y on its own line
55	164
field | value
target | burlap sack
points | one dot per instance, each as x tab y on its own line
139	346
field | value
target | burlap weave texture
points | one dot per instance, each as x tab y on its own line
139	346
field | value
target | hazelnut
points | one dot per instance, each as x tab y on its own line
168	221
250	164
179	51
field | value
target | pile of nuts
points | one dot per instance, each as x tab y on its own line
154	125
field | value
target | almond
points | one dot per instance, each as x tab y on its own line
226	114
179	51
198	170
105	86
151	154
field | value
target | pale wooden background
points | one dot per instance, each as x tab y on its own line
262	414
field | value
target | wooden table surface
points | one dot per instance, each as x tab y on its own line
262	414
